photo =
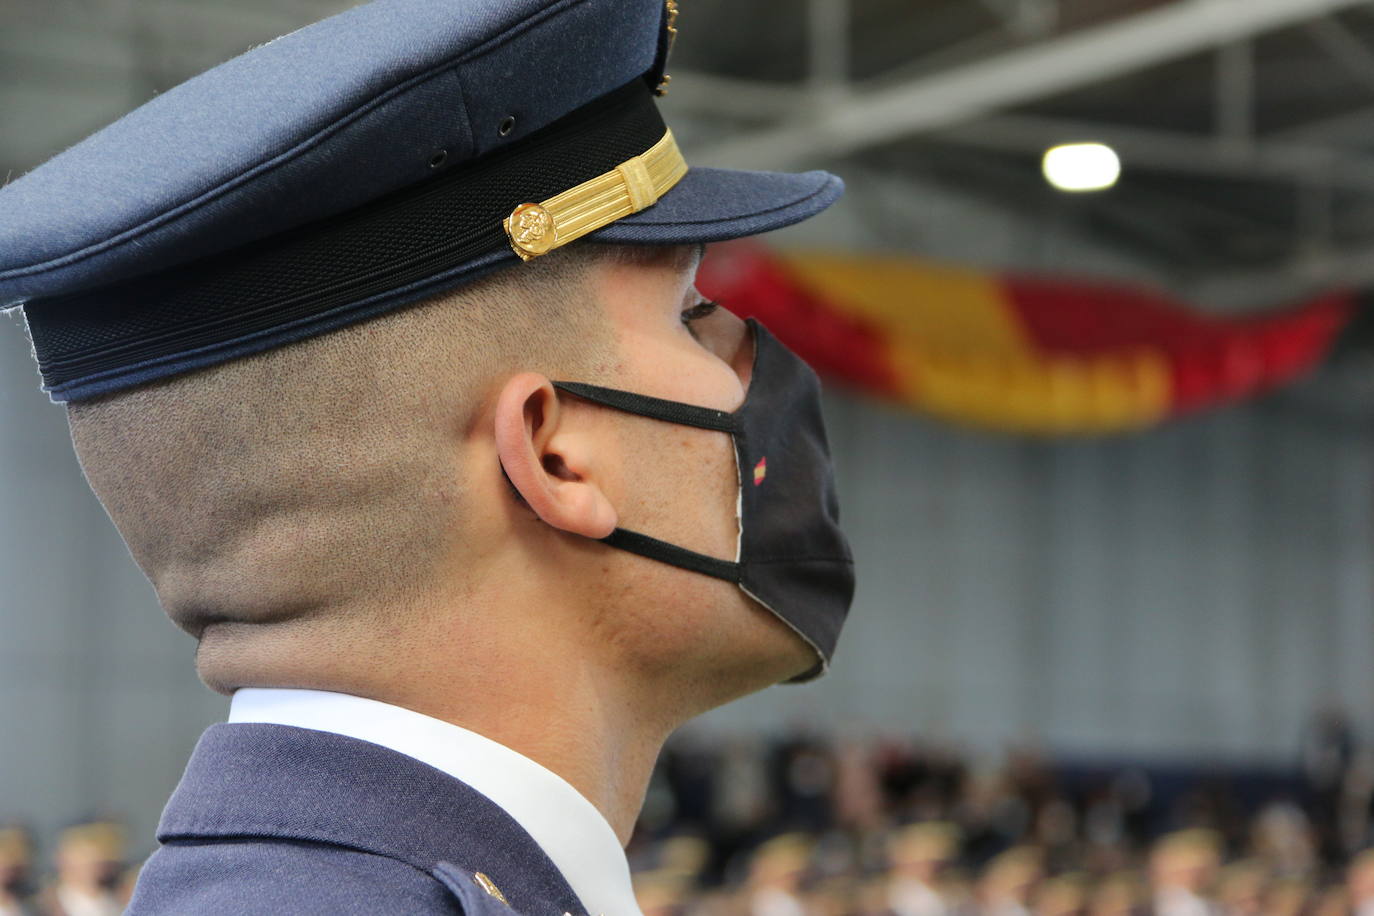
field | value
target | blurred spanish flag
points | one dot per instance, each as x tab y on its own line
1011	352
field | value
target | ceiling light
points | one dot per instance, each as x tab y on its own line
1082	167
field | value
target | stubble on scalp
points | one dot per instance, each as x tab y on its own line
317	487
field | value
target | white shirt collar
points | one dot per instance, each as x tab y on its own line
569	828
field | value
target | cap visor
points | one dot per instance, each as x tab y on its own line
713	205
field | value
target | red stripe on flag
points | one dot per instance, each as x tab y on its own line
746	279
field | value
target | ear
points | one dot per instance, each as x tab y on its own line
548	463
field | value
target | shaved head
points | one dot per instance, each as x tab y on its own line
318	486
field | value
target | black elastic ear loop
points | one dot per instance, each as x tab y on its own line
671	412
673	555
654	549
654	408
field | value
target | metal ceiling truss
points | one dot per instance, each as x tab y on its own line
963	103
1021	76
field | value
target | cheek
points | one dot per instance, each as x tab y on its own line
667	362
681	485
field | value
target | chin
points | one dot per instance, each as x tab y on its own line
799	657
763	652
791	655
713	644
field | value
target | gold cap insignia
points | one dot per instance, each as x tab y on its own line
532	231
633	185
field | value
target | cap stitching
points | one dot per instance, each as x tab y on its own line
630	221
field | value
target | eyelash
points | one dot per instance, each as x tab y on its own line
699	311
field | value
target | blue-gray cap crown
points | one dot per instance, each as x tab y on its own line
235	212
312	124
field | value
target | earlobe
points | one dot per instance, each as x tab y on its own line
548	462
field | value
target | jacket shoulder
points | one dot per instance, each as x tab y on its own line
260	876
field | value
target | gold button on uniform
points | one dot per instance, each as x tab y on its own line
490	887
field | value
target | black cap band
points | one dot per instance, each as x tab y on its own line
327	266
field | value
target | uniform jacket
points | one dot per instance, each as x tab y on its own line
273	819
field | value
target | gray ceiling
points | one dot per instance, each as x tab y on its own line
1249	145
1247	126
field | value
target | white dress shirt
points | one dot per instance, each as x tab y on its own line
569	828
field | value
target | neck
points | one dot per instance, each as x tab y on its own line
524	678
565	719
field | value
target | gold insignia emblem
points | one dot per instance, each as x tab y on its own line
531	230
638	182
490	887
671	28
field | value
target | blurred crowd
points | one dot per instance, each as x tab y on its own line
91	874
805	826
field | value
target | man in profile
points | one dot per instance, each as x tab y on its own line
466	515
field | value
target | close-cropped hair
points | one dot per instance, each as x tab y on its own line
320	477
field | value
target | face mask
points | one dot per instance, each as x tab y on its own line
793	558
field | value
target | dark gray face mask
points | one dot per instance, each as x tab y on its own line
793	557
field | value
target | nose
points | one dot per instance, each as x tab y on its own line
730	339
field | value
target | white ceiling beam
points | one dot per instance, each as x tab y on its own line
1284	157
1018	77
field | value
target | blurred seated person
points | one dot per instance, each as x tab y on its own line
128	878
1183	871
777	872
1359	882
685	856
16	870
922	856
1289	897
1119	894
662	893
90	866
1242	888
1063	895
1009	881
836	896
1282	837
1332	901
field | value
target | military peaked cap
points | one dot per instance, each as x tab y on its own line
365	162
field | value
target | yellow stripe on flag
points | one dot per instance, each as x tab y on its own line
958	350
1060	396
948	309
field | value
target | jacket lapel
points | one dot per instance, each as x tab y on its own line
282	782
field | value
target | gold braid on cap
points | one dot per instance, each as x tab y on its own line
638	182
